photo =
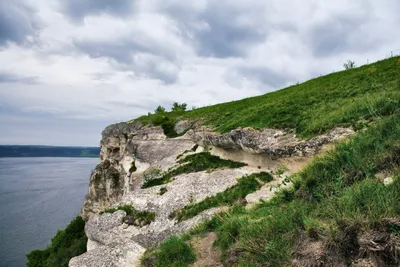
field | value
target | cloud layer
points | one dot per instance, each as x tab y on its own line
70	67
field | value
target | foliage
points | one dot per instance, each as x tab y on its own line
349	65
239	191
193	163
66	244
179	107
152	174
160	110
167	123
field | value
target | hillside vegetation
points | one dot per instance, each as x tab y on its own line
346	98
343	208
338	205
66	244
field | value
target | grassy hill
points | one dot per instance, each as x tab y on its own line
341	208
346	98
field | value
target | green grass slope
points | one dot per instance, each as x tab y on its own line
345	98
339	210
337	205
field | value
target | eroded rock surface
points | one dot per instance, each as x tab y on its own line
128	150
270	142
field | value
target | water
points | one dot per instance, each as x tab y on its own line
37	197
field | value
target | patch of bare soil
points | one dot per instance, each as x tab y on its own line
309	253
378	247
207	255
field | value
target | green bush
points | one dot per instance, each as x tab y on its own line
160	110
179	107
66	244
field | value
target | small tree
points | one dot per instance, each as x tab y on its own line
179	107
349	65
159	110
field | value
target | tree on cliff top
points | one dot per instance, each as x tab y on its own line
160	110
179	107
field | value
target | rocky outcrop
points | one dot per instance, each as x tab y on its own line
108	246
129	150
268	142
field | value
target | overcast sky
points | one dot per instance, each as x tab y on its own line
68	68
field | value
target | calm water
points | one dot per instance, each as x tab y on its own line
37	197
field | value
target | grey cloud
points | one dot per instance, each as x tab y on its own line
265	76
6	77
155	67
145	103
78	9
120	50
17	21
145	57
218	30
101	76
341	33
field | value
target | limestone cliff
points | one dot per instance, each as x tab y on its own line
130	150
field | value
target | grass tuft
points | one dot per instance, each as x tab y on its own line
239	191
194	163
133	216
174	252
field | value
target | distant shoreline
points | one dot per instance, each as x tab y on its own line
34	151
3	157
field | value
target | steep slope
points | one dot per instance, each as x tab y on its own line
168	172
345	98
343	210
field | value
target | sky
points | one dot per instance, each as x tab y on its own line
69	68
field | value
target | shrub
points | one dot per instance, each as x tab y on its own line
160	110
179	107
66	244
349	65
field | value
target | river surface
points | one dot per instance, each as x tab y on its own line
37	197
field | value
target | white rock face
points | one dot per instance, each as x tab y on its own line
388	181
268	191
128	150
107	245
268	142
